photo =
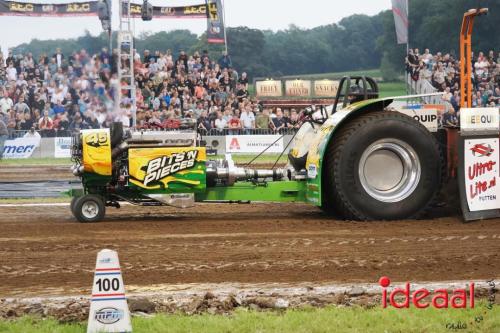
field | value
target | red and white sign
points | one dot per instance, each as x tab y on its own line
482	183
254	143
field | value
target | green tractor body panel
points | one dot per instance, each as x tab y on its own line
315	157
278	191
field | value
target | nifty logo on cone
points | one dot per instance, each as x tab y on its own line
108	308
440	298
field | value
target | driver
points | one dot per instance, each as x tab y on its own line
355	94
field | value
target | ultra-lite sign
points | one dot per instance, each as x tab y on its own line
479	172
108	308
482	183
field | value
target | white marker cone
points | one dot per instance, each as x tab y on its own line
108	306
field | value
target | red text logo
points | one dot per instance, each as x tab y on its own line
439	298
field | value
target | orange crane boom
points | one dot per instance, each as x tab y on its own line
466	55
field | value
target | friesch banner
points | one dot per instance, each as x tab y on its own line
15	8
215	22
400	11
194	11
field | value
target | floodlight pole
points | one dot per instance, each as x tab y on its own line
225	22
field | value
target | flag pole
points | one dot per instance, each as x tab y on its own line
224	18
408	86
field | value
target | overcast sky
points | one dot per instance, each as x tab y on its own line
261	14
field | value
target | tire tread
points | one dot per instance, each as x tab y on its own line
340	203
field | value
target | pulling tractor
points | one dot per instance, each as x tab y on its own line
354	159
357	159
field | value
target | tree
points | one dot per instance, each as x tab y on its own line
356	42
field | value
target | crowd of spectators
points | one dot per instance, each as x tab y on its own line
443	72
211	92
58	94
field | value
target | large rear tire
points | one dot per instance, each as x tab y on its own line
382	166
89	208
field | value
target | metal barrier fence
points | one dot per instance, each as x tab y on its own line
212	132
423	86
43	133
247	131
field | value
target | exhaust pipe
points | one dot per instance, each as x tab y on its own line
77	169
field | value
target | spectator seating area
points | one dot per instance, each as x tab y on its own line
443	73
58	94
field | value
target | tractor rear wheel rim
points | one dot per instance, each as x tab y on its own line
389	170
90	209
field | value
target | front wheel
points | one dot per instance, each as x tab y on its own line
382	166
89	208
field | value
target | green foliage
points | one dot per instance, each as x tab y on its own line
388	89
244	44
330	319
436	24
389	71
175	41
92	44
357	42
35	161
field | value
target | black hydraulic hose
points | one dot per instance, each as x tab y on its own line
288	144
262	152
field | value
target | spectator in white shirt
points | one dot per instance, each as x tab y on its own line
6	102
220	123
124	119
11	72
32	134
481	65
247	119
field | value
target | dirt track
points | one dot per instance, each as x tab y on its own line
35	173
44	251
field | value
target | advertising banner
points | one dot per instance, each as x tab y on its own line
215	22
194	11
326	88
16	8
427	117
62	147
479	120
268	88
181	169
481	158
20	147
253	143
298	88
